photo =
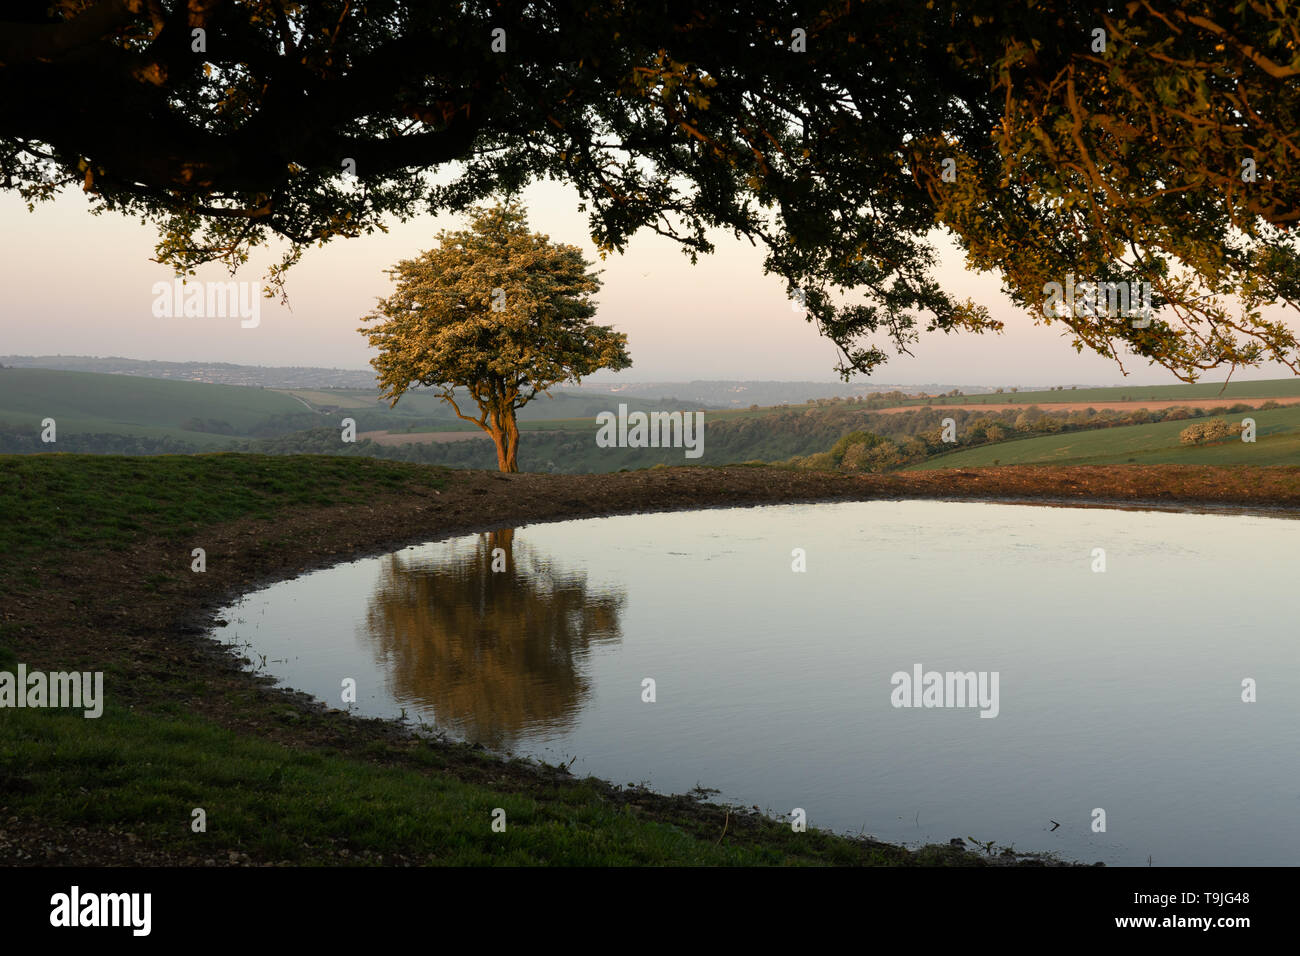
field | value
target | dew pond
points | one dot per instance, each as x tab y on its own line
1118	690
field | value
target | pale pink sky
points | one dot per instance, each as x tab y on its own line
76	284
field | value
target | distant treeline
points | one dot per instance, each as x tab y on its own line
20	440
26	439
892	441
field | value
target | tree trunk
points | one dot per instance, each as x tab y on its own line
512	433
505	432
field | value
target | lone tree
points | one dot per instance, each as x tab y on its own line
1123	143
497	310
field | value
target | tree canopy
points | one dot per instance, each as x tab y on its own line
497	310
1119	142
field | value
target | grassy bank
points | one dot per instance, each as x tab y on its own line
144	774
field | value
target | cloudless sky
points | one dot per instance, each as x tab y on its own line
77	284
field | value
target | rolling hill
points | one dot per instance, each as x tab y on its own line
92	403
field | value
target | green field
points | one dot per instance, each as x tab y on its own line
1231	393
1278	443
87	403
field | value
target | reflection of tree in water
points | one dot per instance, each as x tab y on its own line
494	654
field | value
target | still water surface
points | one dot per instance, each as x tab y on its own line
1119	690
